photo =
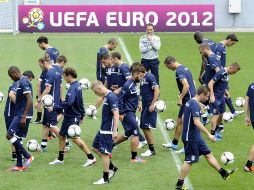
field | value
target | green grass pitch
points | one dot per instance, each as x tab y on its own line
160	171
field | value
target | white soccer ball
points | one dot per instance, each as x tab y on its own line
227	158
67	86
1	96
91	111
170	124
47	100
160	106
32	145
74	131
239	102
138	121
227	117
35	15
84	83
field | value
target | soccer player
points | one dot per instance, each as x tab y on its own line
212	64
150	91
187	91
128	100
73	110
199	38
52	86
51	52
19	125
103	141
194	145
149	46
217	88
100	71
249	119
40	87
220	51
10	107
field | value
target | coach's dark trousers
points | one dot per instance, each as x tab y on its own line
153	65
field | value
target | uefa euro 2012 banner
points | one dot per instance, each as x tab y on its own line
116	18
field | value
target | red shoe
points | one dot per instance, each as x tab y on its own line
27	162
110	155
15	169
137	160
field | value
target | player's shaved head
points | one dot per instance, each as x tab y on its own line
198	37
13	69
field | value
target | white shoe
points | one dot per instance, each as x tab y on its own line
89	162
170	145
94	117
142	144
148	153
56	162
112	173
100	182
238	113
180	151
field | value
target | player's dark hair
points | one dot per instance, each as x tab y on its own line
236	65
61	58
137	67
232	37
169	60
112	41
149	24
13	69
198	37
41	60
104	56
116	55
203	90
42	39
29	74
70	72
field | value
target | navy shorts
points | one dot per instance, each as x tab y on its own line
49	118
67	122
103	143
181	111
130	125
148	119
15	128
194	149
218	107
8	121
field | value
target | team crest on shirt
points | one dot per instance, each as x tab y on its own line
225	78
187	104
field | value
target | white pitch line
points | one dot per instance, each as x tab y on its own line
159	121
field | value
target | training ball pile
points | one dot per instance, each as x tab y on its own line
32	145
227	158
227	117
74	131
160	106
239	102
91	111
1	96
170	124
84	83
47	100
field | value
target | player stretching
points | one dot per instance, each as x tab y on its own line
73	110
187	91
103	141
249	119
19	125
194	145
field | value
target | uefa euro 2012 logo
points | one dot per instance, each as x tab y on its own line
34	19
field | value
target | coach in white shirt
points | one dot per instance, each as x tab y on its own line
149	46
